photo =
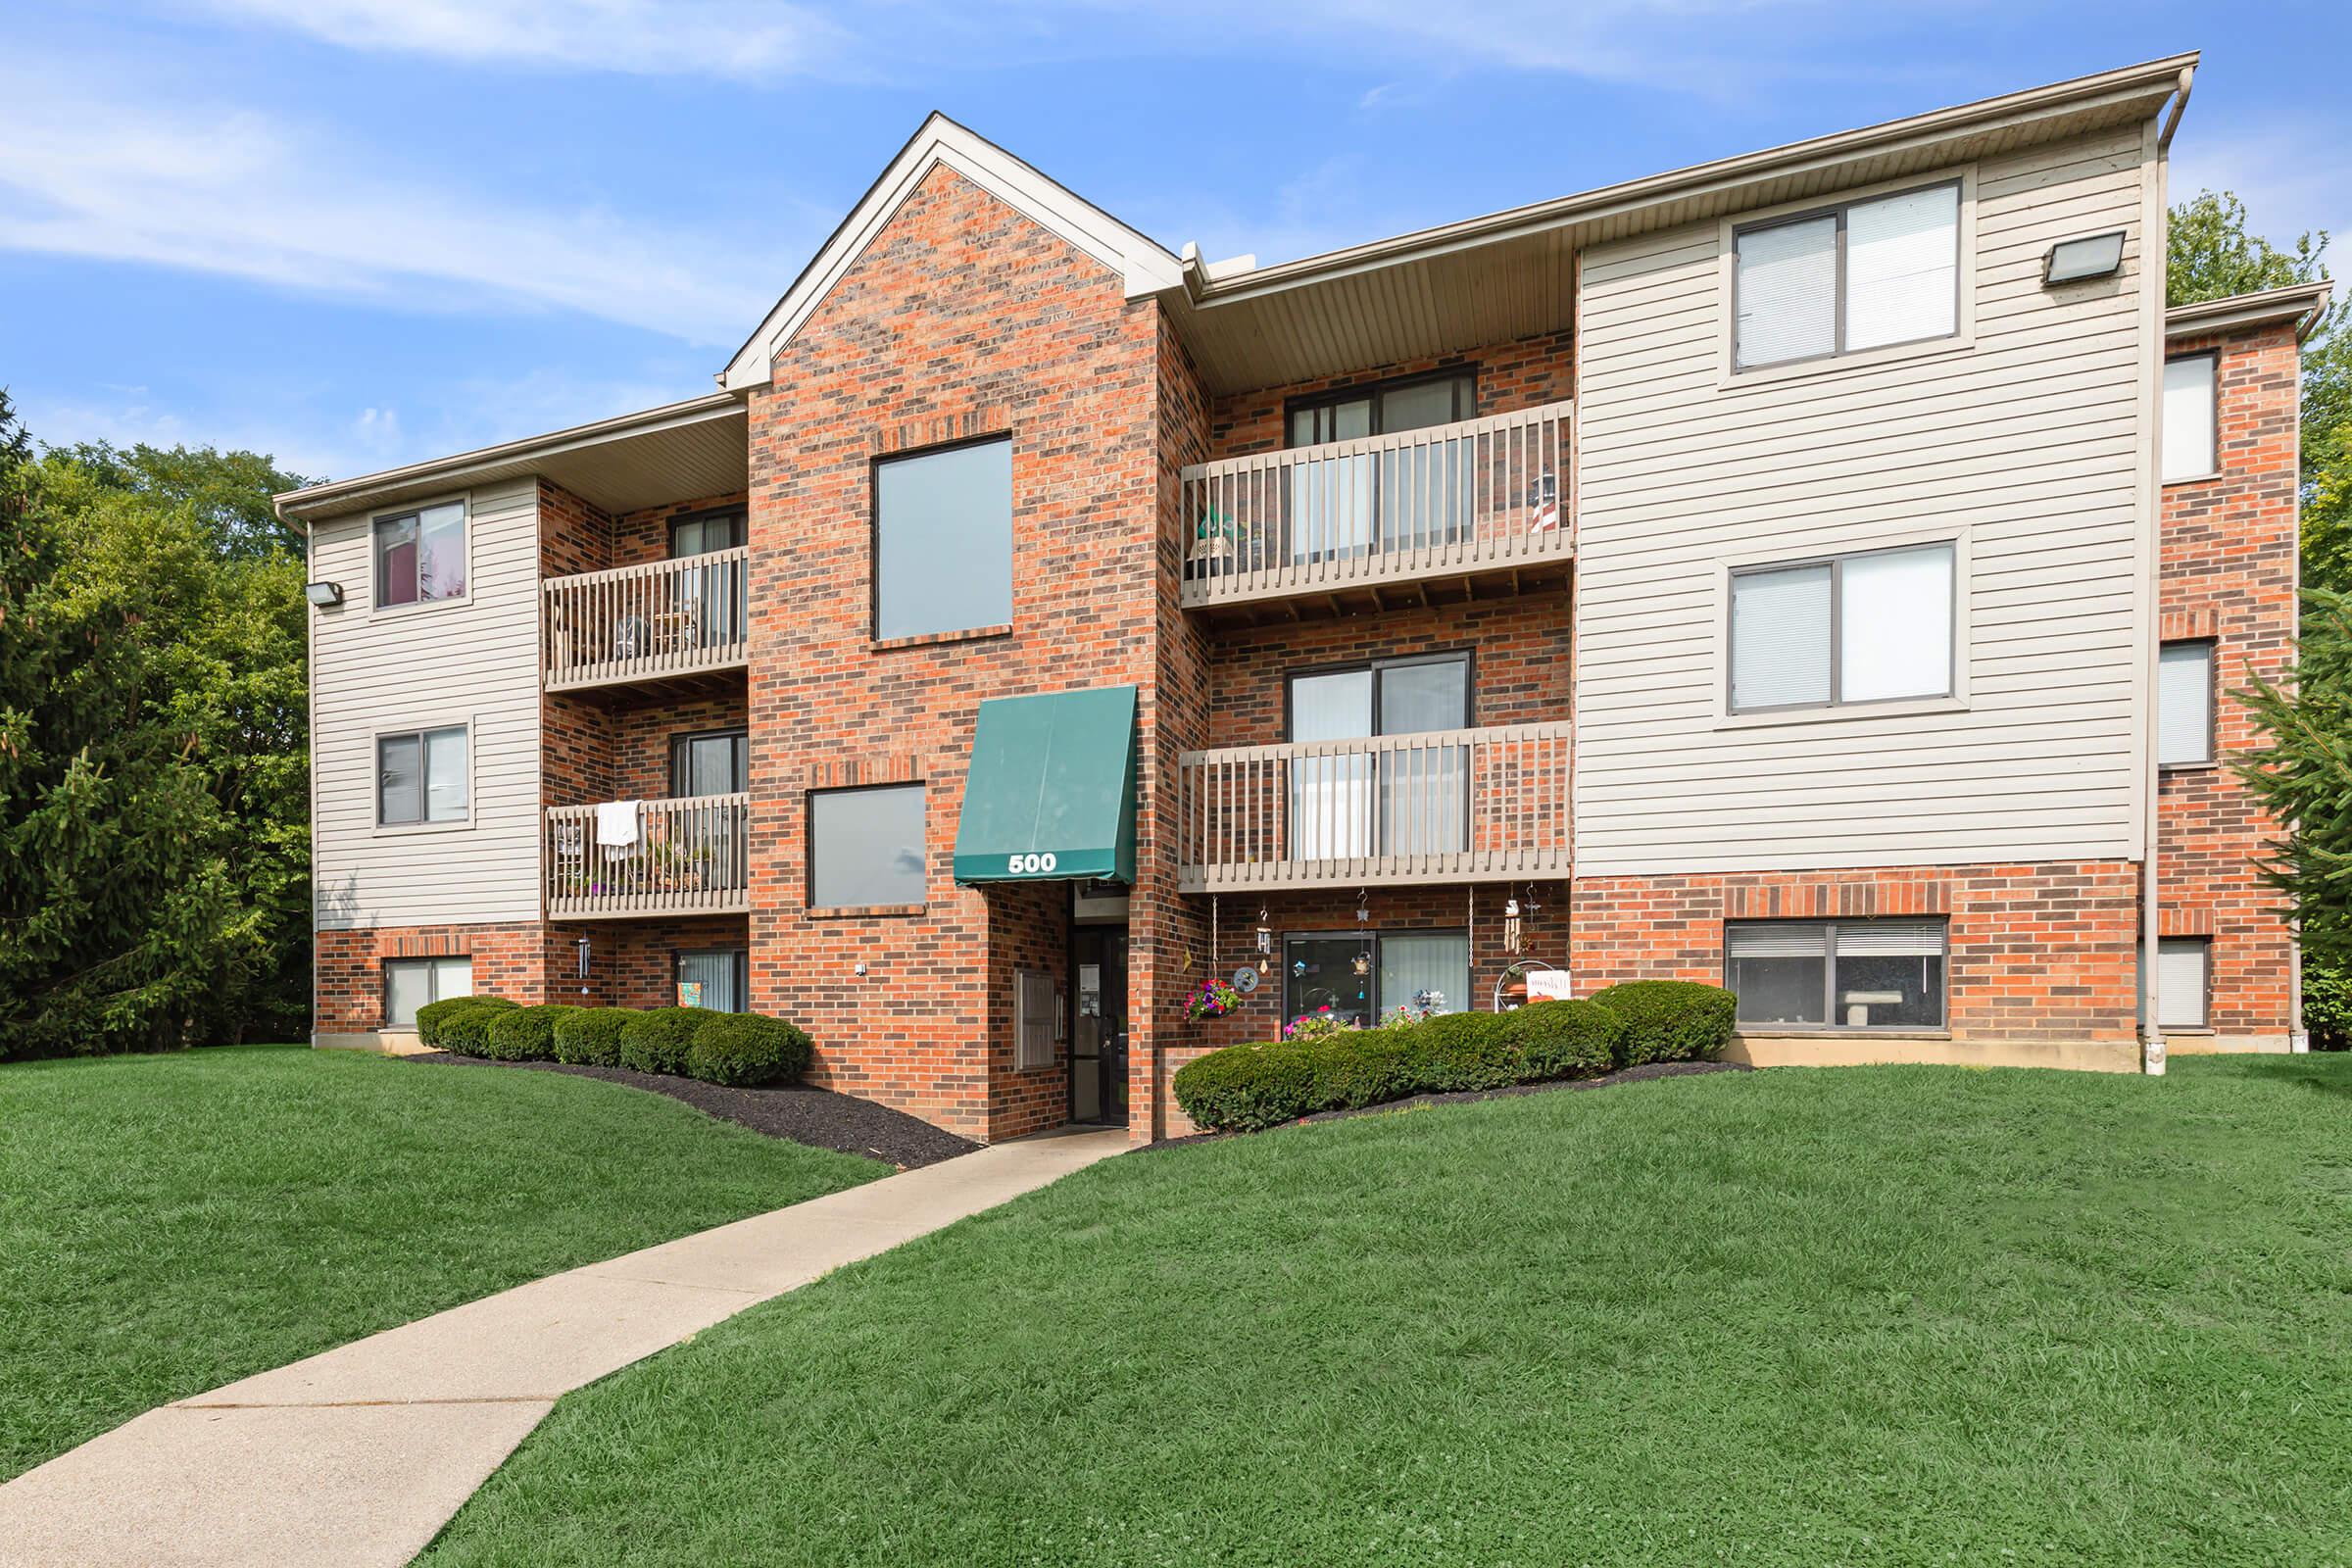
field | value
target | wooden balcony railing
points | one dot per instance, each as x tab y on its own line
687	857
651	621
1446	805
1475	496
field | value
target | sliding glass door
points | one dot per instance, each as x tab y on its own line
1375	802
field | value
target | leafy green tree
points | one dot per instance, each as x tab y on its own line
2304	778
153	763
2210	256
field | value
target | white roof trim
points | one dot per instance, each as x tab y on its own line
1144	266
2300	303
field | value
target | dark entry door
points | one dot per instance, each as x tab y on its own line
1098	1033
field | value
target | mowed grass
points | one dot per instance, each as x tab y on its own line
170	1223
1879	1315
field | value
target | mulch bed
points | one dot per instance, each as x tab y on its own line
816	1116
1623	1075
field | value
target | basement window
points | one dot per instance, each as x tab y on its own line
1837	974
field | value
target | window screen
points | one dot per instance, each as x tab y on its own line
2189	416
942	540
1861	276
1860	629
1035	1015
411	983
2184	703
422	777
865	847
420	555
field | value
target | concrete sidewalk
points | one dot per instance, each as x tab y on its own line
359	1455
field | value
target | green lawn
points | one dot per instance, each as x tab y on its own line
170	1223
1881	1315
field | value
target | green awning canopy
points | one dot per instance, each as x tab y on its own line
1051	794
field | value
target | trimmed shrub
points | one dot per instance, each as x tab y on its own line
745	1048
657	1039
1369	1067
591	1036
430	1017
525	1034
1465	1051
1563	1040
466	1030
1670	1021
1244	1088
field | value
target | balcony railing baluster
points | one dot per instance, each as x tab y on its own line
646	621
688	858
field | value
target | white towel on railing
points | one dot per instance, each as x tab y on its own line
616	824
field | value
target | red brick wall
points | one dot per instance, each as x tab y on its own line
641	536
963	318
2229	575
2038	953
1522	373
632	962
515	961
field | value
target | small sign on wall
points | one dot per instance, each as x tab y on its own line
1547	985
690	993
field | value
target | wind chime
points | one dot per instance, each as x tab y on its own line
1364	935
1510	924
1265	940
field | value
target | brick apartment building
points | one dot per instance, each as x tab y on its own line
1822	571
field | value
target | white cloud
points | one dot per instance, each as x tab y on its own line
124	175
745	41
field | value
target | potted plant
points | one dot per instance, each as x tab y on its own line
1212	998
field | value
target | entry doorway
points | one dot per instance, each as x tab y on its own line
1099	1029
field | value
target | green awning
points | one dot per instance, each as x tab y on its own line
1051	794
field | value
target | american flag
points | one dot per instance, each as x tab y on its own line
1543	504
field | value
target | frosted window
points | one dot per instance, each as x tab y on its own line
2189	416
1902	260
1896	625
2182	981
865	847
944	541
2184	703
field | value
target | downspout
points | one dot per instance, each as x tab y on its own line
2157	228
2298	1038
2171	122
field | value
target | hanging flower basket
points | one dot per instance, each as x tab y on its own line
1211	999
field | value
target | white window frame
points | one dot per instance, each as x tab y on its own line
463	501
2213	714
2204	946
375	775
1827	925
1962	339
1955	698
2213	413
385	970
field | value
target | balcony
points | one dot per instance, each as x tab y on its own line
660	622
1446	805
1452	510
686	857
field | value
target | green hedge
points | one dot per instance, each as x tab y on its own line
525	1034
1244	1088
744	1048
1671	1020
466	1030
591	1036
657	1039
433	1014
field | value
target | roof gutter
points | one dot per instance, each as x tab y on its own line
2169	74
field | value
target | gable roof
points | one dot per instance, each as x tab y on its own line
1144	266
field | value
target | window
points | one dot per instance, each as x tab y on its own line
1409	498
420	777
1363	977
1862	628
2190	417
702	532
713	763
2183	981
411	983
942	540
2185	704
1405	802
1864	275
1837	974
420	555
1036	1019
865	847
717	978
1414	405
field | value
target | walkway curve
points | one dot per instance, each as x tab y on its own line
359	1455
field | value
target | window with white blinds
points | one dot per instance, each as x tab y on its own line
2185	704
1837	974
2184	978
411	983
1864	275
1862	628
2189	418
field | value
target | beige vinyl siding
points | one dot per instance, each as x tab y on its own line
2022	439
379	671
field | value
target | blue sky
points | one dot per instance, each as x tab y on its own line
360	232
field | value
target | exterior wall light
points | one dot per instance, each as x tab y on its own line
2078	261
325	595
